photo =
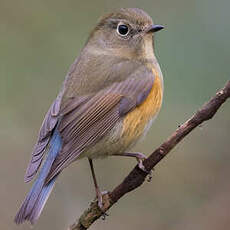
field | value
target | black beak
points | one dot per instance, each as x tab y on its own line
154	28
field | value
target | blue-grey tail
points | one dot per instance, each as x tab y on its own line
35	200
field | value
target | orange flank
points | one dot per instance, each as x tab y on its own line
137	120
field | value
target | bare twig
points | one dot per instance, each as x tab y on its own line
136	177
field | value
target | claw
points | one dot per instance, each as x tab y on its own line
104	215
149	177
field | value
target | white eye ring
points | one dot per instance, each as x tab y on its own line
122	29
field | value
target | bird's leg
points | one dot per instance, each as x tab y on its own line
99	194
140	157
97	189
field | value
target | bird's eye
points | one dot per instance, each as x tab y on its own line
122	29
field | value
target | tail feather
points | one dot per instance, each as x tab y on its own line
35	200
41	201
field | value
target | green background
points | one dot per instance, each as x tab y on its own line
190	188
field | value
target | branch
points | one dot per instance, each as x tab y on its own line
136	177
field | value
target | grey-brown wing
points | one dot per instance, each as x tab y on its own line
45	133
87	124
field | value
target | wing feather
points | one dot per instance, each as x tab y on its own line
47	128
44	136
88	123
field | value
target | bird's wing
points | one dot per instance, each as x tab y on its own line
86	124
44	136
49	123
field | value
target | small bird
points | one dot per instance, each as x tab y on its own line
109	98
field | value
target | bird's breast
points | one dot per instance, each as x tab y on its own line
138	121
132	127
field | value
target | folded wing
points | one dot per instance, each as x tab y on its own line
85	125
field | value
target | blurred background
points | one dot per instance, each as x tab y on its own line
190	187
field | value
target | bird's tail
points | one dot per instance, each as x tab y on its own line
35	200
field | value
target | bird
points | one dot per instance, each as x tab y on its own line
108	100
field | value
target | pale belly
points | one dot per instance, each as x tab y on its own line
131	128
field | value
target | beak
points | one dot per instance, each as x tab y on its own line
154	28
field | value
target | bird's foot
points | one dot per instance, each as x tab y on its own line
100	198
142	167
100	203
140	158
